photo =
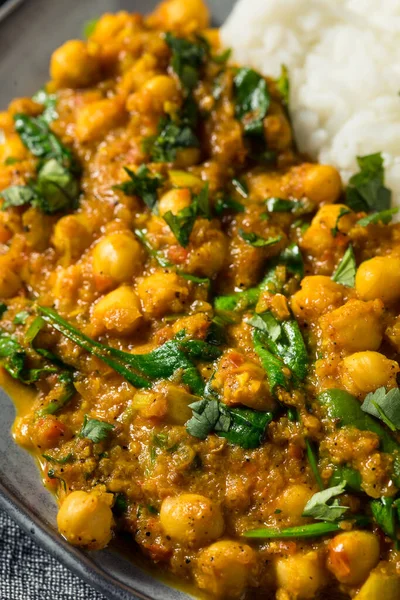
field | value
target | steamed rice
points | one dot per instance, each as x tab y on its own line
344	64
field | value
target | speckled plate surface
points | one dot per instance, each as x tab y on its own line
28	35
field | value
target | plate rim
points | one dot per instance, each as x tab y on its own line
70	557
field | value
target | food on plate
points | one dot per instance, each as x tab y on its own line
206	324
342	58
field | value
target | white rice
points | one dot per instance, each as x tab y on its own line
343	58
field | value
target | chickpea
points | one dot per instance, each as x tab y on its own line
292	500
318	295
191	519
12	148
185	15
277	130
175	200
352	555
70	238
48	432
118	312
162	293
301	575
117	258
154	95
85	519
321	183
353	327
381	583
379	278
95	120
72	65
224	568
365	372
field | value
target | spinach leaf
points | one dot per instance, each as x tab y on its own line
318	508
384	216
252	100
142	184
385	406
42	142
21	317
366	190
272	364
343	211
56	188
172	136
182	223
137	369
280	205
283	85
300	531
17	195
267	323
312	459
120	505
187	59
59	461
13	358
258	242
288	345
240	426
162	261
3	309
345	272
49	102
222	58
61	395
226	203
95	430
384	515
292	258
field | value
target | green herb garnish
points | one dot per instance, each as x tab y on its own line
318	508
343	211
345	274
95	430
143	184
312	459
384	216
385	406
182	223
257	241
252	100
172	136
240	426
187	59
283	85
49	102
366	190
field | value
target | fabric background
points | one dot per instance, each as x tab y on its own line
28	573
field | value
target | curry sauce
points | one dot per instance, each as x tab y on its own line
205	322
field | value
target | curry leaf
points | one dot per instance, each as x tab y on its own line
385	406
252	100
366	190
318	508
95	430
257	241
142	184
345	274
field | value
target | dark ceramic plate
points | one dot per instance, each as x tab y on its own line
28	35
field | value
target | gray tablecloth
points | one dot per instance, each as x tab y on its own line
28	573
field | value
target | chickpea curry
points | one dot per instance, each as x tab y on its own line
210	325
